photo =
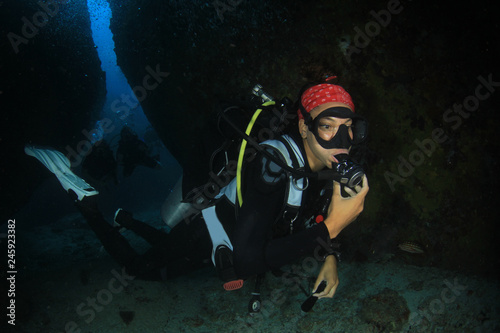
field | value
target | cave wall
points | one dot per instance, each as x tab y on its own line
52	88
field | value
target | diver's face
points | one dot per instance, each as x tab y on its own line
317	156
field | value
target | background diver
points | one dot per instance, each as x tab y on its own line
133	152
100	168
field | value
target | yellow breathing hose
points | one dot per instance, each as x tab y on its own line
242	151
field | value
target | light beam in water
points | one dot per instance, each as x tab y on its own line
116	83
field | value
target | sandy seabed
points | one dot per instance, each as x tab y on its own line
68	283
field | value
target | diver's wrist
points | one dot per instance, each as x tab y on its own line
332	228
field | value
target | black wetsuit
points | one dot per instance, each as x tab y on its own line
170	255
260	237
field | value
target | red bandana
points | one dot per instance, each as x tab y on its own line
324	93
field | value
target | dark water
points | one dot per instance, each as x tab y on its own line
424	74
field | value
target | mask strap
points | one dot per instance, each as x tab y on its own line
307	117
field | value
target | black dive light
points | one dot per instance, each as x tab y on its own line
309	303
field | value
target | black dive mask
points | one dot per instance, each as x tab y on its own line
342	138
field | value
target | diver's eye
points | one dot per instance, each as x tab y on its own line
327	125
327	130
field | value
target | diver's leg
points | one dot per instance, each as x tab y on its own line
222	250
152	235
189	247
185	239
185	249
86	201
114	243
217	233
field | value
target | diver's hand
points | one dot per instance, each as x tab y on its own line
329	274
343	210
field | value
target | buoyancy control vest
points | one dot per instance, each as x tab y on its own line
290	152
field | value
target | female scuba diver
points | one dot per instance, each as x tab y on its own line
272	227
270	224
